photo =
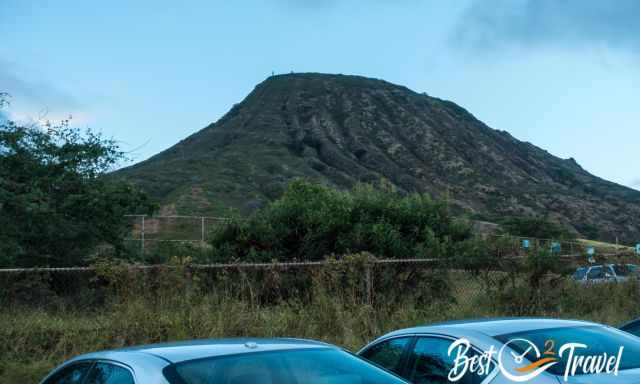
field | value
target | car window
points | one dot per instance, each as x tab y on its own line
633	329
73	374
388	354
599	341
104	373
430	363
305	366
596	273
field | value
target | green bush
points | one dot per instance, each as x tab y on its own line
311	221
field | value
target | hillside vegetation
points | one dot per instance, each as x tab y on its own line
344	130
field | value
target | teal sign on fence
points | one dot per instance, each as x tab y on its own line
556	247
526	244
591	251
638	249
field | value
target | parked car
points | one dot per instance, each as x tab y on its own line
422	354
633	270
633	327
234	361
605	273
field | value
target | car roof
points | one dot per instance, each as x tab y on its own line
491	326
176	352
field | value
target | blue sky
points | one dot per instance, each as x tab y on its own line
564	75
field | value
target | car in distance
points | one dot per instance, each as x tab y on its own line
421	354
605	273
232	361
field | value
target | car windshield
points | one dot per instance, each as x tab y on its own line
597	272
599	341
325	366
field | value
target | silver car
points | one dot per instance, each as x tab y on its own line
233	361
534	350
594	274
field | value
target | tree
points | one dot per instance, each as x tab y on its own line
56	205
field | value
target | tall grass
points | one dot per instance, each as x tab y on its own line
336	306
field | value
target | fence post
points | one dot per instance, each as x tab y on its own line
142	238
369	283
202	230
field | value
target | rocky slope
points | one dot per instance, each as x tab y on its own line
347	129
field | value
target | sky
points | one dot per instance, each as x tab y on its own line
562	74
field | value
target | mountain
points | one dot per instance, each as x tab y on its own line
347	129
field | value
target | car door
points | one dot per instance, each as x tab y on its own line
429	362
389	354
73	373
104	372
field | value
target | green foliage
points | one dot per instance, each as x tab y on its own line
535	227
311	221
56	205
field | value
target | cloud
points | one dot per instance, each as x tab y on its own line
635	184
33	98
491	25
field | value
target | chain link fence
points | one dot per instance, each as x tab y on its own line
362	279
148	232
367	280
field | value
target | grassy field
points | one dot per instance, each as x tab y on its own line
33	340
606	247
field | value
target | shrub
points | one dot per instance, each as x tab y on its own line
311	221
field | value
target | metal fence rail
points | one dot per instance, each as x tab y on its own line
273	265
277	265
